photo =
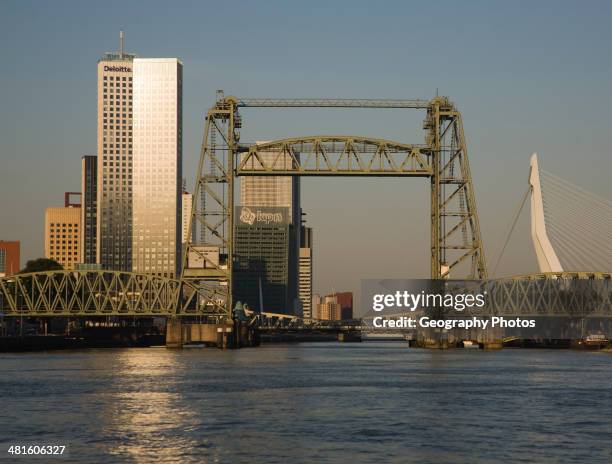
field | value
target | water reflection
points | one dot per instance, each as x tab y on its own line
323	403
149	419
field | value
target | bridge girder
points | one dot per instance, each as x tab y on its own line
564	294
88	293
107	293
334	155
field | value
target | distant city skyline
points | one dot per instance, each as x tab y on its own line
522	80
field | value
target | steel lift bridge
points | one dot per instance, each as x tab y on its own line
456	244
574	224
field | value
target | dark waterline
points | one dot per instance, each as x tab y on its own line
335	403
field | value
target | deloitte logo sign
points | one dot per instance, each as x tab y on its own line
117	69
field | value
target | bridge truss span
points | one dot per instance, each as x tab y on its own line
561	294
88	293
336	156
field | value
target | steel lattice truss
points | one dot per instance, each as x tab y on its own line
105	293
336	156
208	287
83	293
330	103
456	245
456	242
572	294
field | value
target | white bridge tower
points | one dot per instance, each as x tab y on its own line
547	258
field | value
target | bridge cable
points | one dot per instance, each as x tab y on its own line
513	224
579	224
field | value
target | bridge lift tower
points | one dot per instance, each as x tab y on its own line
456	244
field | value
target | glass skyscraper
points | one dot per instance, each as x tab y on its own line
262	276
114	203
157	168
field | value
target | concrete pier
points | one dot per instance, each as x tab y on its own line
225	336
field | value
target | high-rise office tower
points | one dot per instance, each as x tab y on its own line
261	267
305	272
279	192
114	202
89	208
63	234
9	257
157	157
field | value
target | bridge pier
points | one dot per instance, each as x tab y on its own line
225	336
491	339
174	333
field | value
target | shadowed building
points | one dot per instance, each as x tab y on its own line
345	300
261	267
279	192
89	206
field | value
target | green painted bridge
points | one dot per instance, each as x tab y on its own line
104	293
109	293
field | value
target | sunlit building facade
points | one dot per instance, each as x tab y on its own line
157	169
305	272
329	309
115	151
272	191
187	203
63	235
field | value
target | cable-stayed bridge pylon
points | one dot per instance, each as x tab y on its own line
571	227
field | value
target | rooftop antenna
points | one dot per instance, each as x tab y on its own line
121	39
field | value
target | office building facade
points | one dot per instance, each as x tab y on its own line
186	205
9	257
273	191
345	300
328	309
261	266
63	235
115	152
157	166
89	208
305	272
279	192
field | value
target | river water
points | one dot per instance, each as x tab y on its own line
315	403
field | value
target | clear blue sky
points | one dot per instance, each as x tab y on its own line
527	76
